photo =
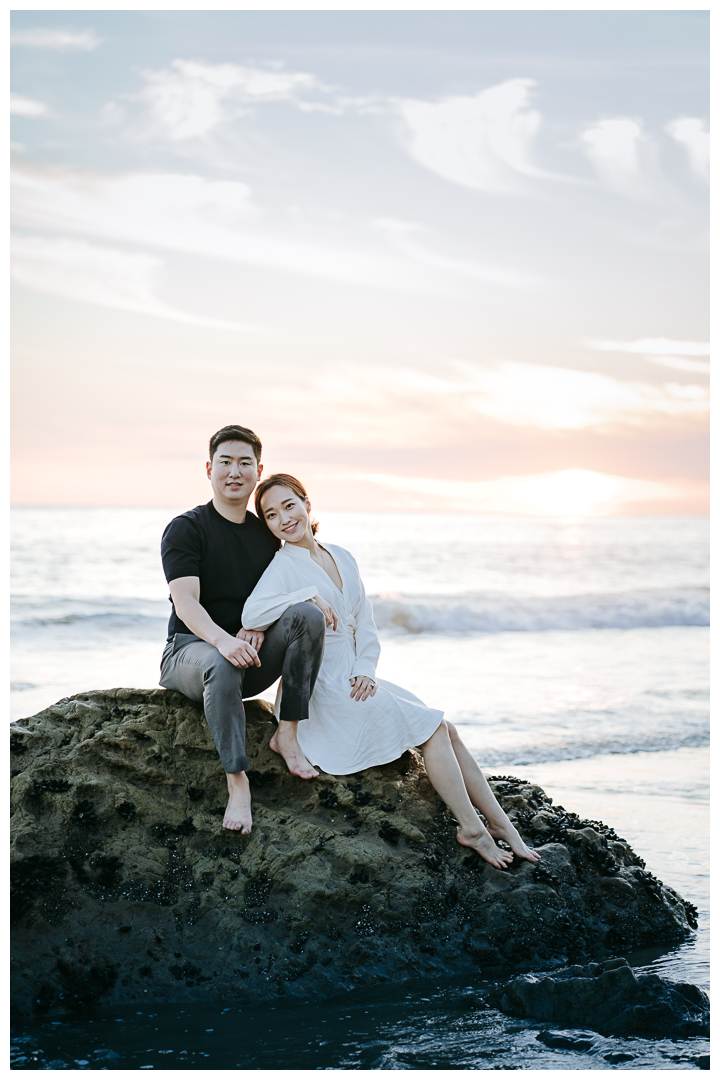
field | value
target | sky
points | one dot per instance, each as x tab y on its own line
436	260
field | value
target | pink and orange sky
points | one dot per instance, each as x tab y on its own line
436	260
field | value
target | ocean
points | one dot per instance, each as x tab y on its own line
572	652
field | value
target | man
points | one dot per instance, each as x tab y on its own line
213	556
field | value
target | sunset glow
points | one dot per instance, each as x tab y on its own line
571	493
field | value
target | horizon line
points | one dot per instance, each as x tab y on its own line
399	510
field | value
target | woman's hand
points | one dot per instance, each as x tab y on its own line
331	618
239	652
362	687
253	637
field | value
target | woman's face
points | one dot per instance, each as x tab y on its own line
286	514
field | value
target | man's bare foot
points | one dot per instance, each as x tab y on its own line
483	843
284	742
506	831
237	813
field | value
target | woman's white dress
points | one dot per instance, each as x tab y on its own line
341	735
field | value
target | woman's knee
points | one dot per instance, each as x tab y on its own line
452	732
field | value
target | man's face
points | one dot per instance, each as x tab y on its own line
233	472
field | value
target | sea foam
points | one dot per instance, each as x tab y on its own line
492	613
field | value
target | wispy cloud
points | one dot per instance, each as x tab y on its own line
150	206
190	99
23	106
564	399
214	218
37	38
90	274
691	133
401	235
481	141
662	351
398	406
613	147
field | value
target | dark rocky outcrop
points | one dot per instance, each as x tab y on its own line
609	998
126	887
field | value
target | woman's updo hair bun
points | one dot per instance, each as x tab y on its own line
281	479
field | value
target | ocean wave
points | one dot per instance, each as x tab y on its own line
87	618
478	613
493	613
572	750
99	619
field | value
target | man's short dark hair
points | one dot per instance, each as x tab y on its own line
235	433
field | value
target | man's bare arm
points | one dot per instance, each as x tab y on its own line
185	592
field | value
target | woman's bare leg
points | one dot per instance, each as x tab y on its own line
499	825
444	774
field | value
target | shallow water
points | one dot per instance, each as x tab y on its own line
438	1025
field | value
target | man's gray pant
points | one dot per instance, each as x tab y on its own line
293	648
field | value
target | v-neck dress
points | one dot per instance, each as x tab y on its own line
341	735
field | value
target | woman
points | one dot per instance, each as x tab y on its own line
355	720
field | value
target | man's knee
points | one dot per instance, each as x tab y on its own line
308	617
220	671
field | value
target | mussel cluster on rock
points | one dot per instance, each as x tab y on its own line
126	887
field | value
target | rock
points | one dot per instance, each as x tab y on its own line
561	1040
609	998
126	888
703	1061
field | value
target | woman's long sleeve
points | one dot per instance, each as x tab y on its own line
271	597
367	642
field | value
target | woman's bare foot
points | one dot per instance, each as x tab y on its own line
237	813
483	843
505	830
284	742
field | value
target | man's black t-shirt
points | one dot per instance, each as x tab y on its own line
228	558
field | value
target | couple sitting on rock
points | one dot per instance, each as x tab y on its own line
256	599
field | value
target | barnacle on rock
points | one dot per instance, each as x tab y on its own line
108	865
362	798
84	814
30	878
541	872
163	830
56	787
389	832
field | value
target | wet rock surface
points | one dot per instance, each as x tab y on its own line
126	887
607	997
